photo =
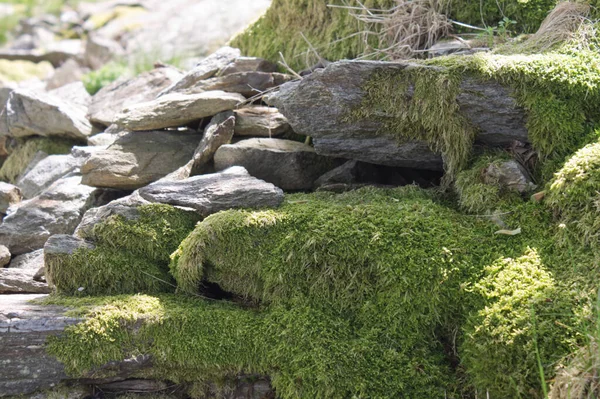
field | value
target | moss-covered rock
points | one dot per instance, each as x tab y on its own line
130	256
17	71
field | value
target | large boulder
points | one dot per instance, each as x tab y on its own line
34	113
343	108
260	121
46	172
9	195
218	132
176	110
208	194
56	211
139	158
288	164
110	100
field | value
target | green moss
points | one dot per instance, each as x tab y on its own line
23	154
574	194
96	80
130	256
17	71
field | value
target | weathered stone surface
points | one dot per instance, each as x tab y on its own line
208	194
176	110
106	138
69	72
32	260
139	158
9	195
21	281
351	172
260	121
205	69
75	94
4	256
110	100
56	211
99	50
246	83
317	105
46	172
248	64
57	53
288	164
219	132
510	175
32	113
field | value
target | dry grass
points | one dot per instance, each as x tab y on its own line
580	379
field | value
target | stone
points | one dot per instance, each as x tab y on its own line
538	197
510	175
75	94
4	256
46	172
207	68
62	245
139	158
9	195
260	121
100	50
69	72
57	53
317	106
248	64
248	84
447	47
176	110
31	260
218	132
351	172
21	281
30	113
57	210
208	194
110	100
288	164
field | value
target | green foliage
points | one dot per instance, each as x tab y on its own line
96	80
130	256
574	194
26	149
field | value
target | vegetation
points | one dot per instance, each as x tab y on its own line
96	80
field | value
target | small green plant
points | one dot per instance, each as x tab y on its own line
96	80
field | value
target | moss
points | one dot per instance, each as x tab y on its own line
96	80
98	20
574	194
17	71
23	154
130	256
477	196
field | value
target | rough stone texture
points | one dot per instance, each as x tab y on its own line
75	94
248	64
110	100
4	256
205	69
57	53
107	138
30	113
32	260
351	172
208	194
46	172
288	164
139	158
316	107
69	72
176	110
99	50
9	195
57	211
246	83
218	132
260	121
21	281
510	175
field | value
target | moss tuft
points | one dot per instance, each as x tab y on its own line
130	256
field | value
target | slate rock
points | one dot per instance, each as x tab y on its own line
75	94
100	50
21	281
176	110
208	194
218	132
288	164
9	195
46	172
260	121
510	175
31	260
69	72
248	64
248	84
139	158
4	256
111	99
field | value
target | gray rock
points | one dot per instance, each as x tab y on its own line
176	110
447	47
218	132
69	72
75	94
510	175
56	211
260	121
248	64
205	69
110	100
100	50
139	158
31	113
246	83
208	194
318	107
9	195
32	260
81	153
4	256
57	53
46	172
287	164
351	172
20	281
106	138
